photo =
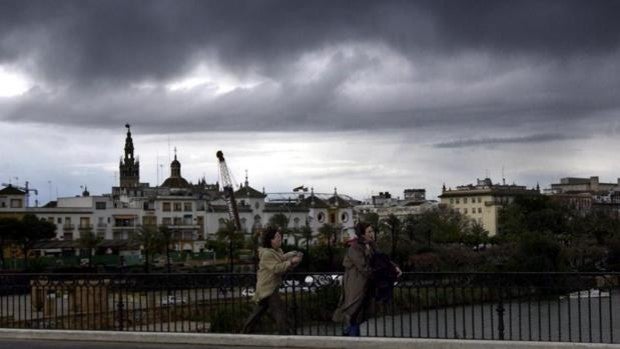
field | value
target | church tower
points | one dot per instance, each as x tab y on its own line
129	167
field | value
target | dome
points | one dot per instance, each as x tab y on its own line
175	182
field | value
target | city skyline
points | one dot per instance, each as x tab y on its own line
363	96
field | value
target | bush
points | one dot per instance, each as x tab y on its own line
225	319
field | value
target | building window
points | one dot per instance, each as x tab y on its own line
464	200
166	221
320	217
457	201
479	209
100	205
187	207
296	222
479	200
16	203
222	223
465	210
257	205
344	217
176	207
165	207
178	221
451	200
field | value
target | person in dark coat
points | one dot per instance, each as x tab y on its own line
355	297
384	275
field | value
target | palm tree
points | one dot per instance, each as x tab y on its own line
166	237
148	238
89	241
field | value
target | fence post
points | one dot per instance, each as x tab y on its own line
294	307
119	309
500	315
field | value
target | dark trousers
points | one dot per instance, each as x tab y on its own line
276	307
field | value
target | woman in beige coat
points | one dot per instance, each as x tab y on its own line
272	266
356	293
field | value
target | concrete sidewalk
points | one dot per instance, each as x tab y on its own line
271	341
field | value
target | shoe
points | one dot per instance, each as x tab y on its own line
354	331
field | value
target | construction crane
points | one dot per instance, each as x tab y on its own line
25	189
229	197
229	192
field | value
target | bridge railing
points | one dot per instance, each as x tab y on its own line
559	307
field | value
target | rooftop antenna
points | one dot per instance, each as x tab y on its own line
503	176
486	173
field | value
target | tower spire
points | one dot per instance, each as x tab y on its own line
129	168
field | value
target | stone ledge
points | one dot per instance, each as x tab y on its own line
296	342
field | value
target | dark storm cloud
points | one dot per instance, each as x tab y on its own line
539	138
87	54
100	41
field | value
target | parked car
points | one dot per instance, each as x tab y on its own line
172	300
288	286
322	280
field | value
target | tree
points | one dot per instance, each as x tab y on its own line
31	231
279	220
371	218
476	236
148	238
8	231
89	241
328	235
166	237
235	239
391	225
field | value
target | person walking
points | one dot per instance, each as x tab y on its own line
357	286
273	264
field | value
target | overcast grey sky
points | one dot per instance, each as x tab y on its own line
366	96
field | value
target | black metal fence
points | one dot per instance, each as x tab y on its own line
567	307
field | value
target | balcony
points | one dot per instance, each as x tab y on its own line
68	227
125	227
85	227
102	225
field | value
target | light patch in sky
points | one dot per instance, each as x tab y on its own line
12	83
207	76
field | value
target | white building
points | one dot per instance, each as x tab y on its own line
194	212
